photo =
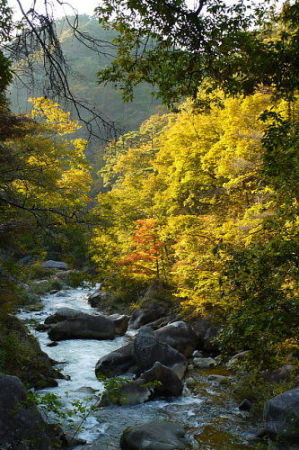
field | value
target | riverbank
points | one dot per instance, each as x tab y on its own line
205	404
206	400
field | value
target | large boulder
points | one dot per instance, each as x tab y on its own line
204	363
21	425
180	336
154	436
148	349
163	321
155	382
83	327
117	362
50	264
95	298
63	314
281	415
205	331
169	384
100	299
148	313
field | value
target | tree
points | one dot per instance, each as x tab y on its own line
42	173
5	65
147	255
177	48
45	180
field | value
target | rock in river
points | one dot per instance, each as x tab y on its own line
180	336
121	323
148	349
68	314
148	313
158	381
205	331
63	314
83	327
169	384
117	362
154	436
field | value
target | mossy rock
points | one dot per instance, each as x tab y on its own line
21	355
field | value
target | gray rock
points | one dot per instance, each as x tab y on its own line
204	363
66	274
281	415
205	331
117	362
158	381
63	314
180	336
163	321
121	323
21	425
220	379
197	354
236	359
95	298
83	327
99	298
154	436
52	344
169	383
50	264
42	327
26	260
148	313
148	349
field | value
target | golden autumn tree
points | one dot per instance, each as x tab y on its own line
147	255
45	179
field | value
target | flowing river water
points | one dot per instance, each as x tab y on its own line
210	415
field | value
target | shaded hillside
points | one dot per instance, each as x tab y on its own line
83	64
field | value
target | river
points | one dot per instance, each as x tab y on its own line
211	415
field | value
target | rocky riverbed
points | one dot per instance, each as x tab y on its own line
204	409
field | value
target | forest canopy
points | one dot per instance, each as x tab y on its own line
204	197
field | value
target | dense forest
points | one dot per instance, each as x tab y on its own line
183	205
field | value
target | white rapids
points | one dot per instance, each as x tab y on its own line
78	359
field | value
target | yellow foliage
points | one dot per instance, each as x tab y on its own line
201	177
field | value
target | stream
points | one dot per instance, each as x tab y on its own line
210	415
